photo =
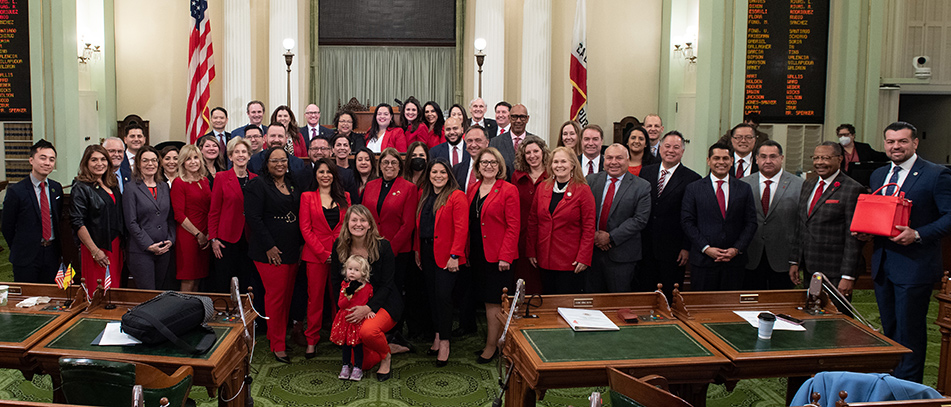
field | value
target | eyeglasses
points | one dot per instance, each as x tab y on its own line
277	161
823	157
844	134
518	117
386	163
345	121
744	137
486	163
308	113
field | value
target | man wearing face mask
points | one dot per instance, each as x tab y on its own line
454	149
855	152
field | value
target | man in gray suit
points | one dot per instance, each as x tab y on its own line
623	205
777	212
507	142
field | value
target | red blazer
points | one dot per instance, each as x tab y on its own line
392	138
421	134
300	146
431	139
398	213
526	194
226	217
318	237
452	230
500	221
565	236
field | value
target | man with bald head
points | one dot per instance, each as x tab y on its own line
508	142
313	128
477	111
453	150
655	127
623	207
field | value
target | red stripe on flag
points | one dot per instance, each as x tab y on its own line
201	70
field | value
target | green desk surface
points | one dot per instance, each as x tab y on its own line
631	342
83	332
819	334
17	327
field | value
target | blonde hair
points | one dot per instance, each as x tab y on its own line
371	240
186	152
577	177
234	142
498	158
362	264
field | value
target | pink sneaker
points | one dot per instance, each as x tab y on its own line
345	373
357	374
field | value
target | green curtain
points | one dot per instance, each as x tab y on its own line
381	74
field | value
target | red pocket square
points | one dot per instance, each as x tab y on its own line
830	201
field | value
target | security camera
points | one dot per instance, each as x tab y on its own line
921	70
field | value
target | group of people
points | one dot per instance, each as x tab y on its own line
416	218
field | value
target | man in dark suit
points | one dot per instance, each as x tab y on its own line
777	216
255	117
116	149
134	140
655	128
665	251
313	127
905	267
506	143
591	159
477	111
30	213
719	218
743	139
623	205
826	205
855	152
465	171
502	120
219	119
453	151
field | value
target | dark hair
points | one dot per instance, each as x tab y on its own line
348	113
720	146
41	143
390	151
413	125
741	126
475	127
277	124
504	103
164	152
751	117
374	166
132	126
252	127
440	120
465	116
293	132
289	180
337	193
899	125
426	186
333	140
319	138
108	178
219	109
593	127
631	130
770	143
375	127
677	134
835	147
220	159
407	171
136	173
846	126
255	102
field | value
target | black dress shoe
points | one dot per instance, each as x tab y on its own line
310	355
441	363
382	377
282	359
481	360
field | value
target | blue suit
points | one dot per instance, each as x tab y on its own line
904	275
23	231
443	151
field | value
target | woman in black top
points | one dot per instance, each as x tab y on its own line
345	122
96	216
271	206
359	236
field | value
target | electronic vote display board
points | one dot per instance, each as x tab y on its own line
14	61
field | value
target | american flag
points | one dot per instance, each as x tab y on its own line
108	281
64	277
201	71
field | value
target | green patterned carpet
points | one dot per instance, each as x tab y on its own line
417	382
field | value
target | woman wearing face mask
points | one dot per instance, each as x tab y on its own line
414	129
226	222
415	166
854	151
148	218
384	133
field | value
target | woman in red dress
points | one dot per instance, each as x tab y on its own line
432	115
531	161
96	216
321	215
414	129
191	202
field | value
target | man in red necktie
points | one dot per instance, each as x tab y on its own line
31	209
502	118
465	171
826	205
719	219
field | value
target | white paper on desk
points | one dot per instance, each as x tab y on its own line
114	336
753	318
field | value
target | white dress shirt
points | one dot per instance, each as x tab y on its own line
584	163
747	164
903	174
772	187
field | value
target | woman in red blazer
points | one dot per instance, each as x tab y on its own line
392	201
226	221
321	215
435	122
414	129
531	163
442	227
561	225
384	133
493	239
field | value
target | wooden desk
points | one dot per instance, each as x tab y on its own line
831	342
547	354
944	322
23	328
222	368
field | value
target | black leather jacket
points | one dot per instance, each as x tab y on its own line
103	222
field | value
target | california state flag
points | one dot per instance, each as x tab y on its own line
578	73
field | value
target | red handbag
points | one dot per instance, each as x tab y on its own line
879	214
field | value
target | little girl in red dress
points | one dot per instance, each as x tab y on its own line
355	290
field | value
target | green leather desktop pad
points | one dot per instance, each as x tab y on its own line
631	342
819	334
83	332
17	327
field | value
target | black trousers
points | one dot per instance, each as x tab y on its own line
234	262
43	269
763	277
727	276
439	283
562	282
419	322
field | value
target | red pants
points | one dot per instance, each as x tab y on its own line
278	289
92	272
316	285
373	334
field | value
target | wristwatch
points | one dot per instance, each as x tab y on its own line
453	256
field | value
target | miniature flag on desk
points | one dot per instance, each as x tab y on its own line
108	280
64	277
